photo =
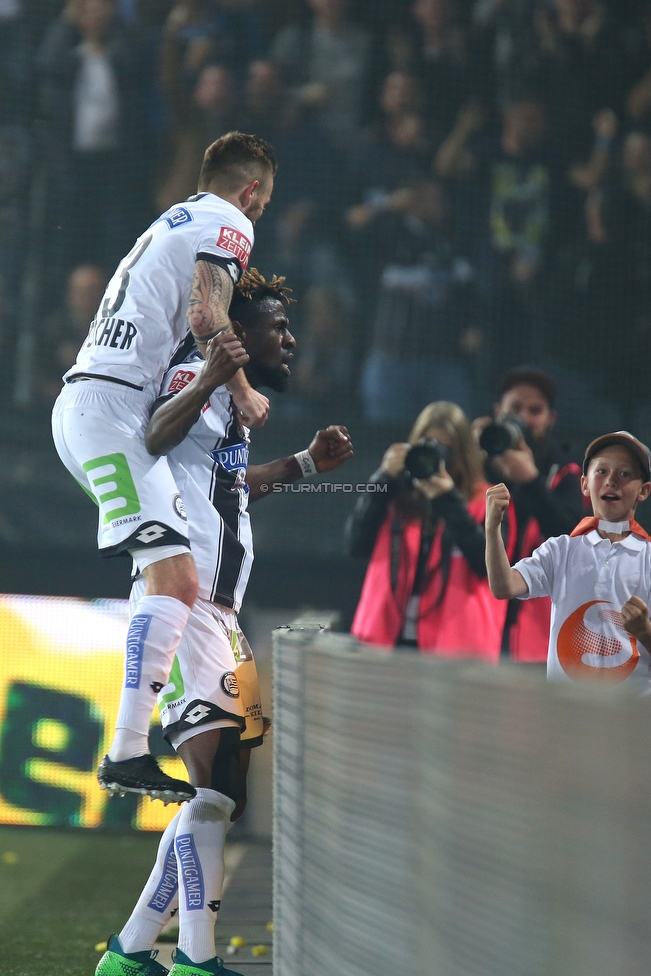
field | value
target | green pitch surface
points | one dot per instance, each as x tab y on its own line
63	892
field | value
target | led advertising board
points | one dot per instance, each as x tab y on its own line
61	670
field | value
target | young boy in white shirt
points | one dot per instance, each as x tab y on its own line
598	578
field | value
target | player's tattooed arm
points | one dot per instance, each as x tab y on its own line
210	298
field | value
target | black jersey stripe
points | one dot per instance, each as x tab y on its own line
183	351
218	560
227	500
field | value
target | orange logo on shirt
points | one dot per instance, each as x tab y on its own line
584	653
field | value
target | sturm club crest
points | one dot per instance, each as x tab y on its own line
229	685
179	507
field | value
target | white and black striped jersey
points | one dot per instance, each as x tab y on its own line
209	468
141	321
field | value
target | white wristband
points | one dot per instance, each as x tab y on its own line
306	463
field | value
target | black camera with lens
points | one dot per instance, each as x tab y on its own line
424	459
503	435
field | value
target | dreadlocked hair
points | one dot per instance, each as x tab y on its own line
252	289
253	286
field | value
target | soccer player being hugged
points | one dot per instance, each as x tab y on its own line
598	577
210	709
172	289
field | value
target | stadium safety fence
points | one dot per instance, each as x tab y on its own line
443	818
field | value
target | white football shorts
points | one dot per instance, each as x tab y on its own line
213	683
98	429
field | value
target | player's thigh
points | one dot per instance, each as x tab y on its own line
99	436
202	692
214	761
91	420
199	754
173	574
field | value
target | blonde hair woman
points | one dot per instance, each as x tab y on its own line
426	585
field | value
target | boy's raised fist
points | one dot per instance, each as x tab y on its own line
497	502
635	617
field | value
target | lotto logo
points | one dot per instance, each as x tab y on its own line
196	714
233	271
179	380
235	243
151	534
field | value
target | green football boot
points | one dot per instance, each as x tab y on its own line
212	967
117	962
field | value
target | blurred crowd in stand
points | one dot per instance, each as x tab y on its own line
463	185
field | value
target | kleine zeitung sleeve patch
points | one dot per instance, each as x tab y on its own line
180	379
235	243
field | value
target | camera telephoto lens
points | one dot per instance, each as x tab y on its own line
503	435
424	459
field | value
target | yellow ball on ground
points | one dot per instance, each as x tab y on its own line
269	926
259	950
237	942
101	947
9	857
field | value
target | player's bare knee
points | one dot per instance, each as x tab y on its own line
187	591
175	577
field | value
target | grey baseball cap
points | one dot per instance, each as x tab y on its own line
626	439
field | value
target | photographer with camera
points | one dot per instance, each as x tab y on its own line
545	486
422	527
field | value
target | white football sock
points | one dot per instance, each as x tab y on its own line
155	630
200	836
127	744
159	898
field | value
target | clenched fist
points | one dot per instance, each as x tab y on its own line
330	448
635	617
497	502
224	355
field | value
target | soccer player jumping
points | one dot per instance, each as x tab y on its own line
174	287
211	711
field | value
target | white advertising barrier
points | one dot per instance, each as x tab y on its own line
440	818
